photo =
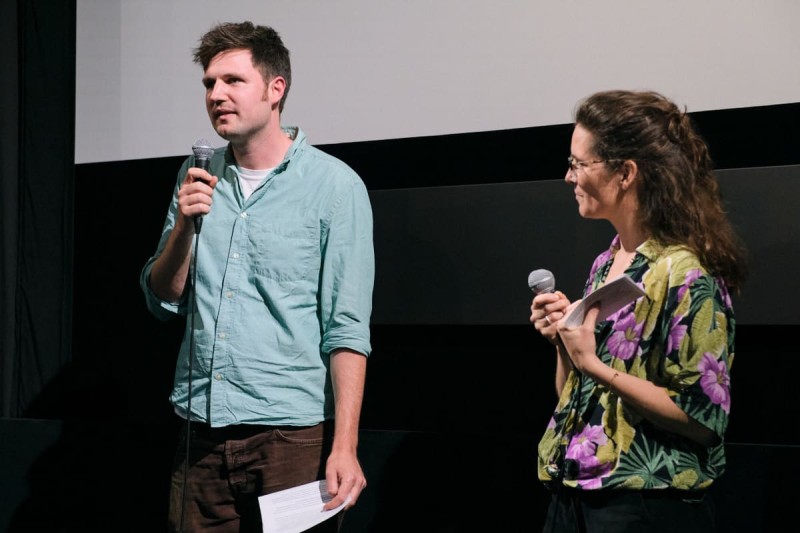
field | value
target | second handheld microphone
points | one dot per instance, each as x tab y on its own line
541	281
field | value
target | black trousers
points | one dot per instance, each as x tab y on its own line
629	511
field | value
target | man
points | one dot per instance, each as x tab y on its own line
277	291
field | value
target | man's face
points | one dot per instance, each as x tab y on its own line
238	101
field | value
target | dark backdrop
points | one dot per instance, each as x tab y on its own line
459	387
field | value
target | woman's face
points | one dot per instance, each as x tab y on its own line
597	189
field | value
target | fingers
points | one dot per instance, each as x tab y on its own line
544	304
345	480
547	314
346	492
554	317
547	323
196	174
193	203
590	318
571	306
195	194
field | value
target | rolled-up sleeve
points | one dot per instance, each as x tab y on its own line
161	309
348	273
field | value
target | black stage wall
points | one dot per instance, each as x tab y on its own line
459	387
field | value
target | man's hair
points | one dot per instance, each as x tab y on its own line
270	56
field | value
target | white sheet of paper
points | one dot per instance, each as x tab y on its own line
296	509
612	296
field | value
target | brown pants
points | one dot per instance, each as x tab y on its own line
230	467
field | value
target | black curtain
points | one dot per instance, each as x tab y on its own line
38	169
9	165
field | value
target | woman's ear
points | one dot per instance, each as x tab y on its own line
629	171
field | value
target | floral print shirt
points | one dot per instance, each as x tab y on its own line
679	336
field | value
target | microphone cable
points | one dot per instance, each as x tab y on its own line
202	151
541	281
192	306
576	397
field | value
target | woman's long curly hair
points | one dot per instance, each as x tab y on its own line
679	195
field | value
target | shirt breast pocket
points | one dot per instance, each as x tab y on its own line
283	253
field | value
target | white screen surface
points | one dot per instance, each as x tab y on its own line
374	69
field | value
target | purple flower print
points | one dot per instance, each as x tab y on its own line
726	296
591	472
715	381
624	342
583	450
585	443
676	334
690	277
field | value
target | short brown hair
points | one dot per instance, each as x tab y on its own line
270	55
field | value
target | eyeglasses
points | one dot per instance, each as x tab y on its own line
575	164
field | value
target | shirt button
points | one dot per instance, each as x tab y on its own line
229	295
244	215
236	255
221	335
218	377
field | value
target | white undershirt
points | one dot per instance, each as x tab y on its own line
250	179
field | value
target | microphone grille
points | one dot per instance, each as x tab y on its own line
541	280
202	149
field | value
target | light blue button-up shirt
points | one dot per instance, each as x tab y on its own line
283	278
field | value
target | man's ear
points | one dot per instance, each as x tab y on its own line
276	88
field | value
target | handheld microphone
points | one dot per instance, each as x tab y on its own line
203	151
541	281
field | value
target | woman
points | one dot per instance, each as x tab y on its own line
637	435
